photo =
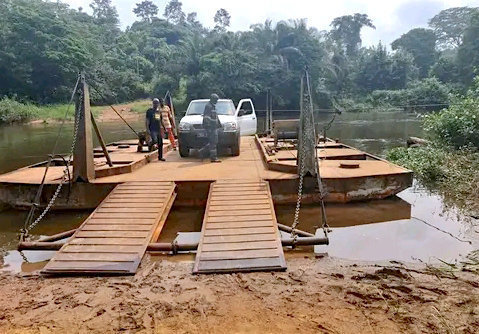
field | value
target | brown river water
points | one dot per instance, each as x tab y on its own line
413	226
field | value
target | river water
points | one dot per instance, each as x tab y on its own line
410	227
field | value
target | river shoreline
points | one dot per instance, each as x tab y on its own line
325	295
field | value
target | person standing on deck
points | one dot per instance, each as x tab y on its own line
154	128
167	120
211	124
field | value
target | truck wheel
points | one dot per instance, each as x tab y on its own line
184	151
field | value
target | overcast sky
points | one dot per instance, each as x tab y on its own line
391	17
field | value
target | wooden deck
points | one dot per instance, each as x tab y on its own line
239	231
114	238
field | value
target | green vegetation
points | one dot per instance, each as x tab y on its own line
12	111
46	43
450	164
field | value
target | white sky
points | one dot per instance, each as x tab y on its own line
391	17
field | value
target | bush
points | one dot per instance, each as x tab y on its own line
427	94
426	162
458	125
12	111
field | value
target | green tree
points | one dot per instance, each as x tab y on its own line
450	25
445	69
104	12
44	45
146	10
346	30
468	52
421	43
174	13
222	19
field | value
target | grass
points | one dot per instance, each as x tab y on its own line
140	106
56	112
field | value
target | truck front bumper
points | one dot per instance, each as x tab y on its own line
198	138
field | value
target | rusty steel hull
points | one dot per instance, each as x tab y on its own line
340	190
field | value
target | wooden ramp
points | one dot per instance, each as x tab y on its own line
240	231
114	238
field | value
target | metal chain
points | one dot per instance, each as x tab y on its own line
27	229
308	136
294	235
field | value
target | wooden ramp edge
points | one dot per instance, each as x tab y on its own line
239	231
114	238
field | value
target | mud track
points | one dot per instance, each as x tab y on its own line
315	295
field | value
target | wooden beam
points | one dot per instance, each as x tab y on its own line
102	142
83	165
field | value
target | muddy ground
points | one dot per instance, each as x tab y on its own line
107	114
315	295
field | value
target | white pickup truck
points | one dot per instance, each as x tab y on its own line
236	122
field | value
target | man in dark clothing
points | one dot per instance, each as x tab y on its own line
211	124
154	126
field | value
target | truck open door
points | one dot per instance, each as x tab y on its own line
246	116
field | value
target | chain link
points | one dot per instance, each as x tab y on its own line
308	141
78	116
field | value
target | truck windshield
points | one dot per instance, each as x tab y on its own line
222	108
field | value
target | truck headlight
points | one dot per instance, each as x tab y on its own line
185	126
230	126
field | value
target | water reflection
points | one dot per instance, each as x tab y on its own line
442	238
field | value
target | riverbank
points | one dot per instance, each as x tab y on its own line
451	173
14	112
315	295
449	164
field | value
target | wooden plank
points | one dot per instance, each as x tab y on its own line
239	231
131	216
137	200
121	221
223	266
239	254
237	182
142	188
85	267
238	238
157	184
220	190
227	197
111	234
128	210
161	223
141	192
116	227
101	249
267	217
239	202
115	236
106	241
233	224
239	225
247	245
224	213
103	257
144	204
147	196
239	207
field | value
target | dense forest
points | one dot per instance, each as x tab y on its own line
45	44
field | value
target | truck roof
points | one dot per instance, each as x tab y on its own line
203	100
